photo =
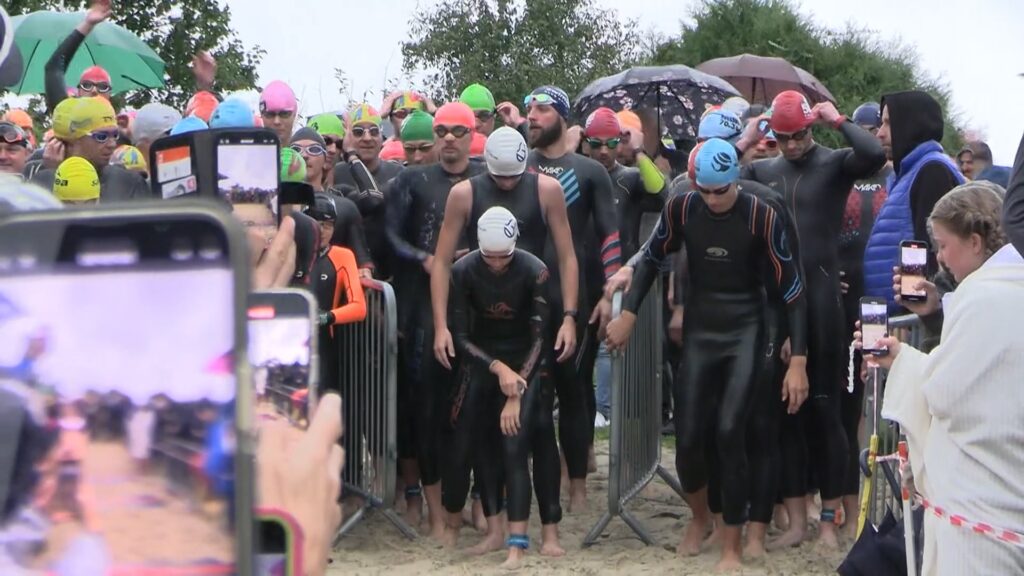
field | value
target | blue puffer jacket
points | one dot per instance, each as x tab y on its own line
895	223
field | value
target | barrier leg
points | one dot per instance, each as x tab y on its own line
670	479
597	530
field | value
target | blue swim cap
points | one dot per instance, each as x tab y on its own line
868	114
188	124
232	113
720	124
716	165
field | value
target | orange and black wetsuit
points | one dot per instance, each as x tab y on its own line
339	296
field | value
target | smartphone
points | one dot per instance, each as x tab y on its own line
913	263
283	355
247	172
123	335
874	323
173	170
280	547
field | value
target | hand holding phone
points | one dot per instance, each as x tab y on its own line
874	324
913	270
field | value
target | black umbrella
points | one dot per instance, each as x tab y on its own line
679	93
880	551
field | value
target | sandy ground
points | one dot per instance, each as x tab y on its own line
375	547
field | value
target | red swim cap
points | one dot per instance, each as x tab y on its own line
476	147
691	165
94	74
791	113
603	123
201	104
455	114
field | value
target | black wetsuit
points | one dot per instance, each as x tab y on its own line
534	235
631	201
416	202
497	316
862	208
723	336
763	442
588	195
116	184
368	190
348	230
307	249
815	188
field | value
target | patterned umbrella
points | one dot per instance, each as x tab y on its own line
679	93
761	78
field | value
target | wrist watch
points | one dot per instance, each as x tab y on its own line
571	314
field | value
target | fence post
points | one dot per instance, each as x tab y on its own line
634	452
368	373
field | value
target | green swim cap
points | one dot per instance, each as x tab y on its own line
418	126
327	124
477	97
293	167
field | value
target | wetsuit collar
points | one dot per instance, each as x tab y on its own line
806	156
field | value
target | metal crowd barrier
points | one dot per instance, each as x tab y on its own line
367	369
634	457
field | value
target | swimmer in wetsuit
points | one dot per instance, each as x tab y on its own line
416	204
499	318
539	207
815	182
731	238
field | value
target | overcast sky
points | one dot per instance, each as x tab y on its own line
976	47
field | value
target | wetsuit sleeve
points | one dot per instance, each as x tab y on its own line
865	156
540	314
681	276
460	314
348	231
931	184
57	66
786	275
399	201
605	221
1013	205
667	238
653	179
353	307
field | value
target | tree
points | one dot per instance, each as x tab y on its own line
176	31
513	46
855	64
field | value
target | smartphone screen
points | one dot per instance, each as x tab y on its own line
272	559
247	177
913	261
174	171
281	354
119	342
874	323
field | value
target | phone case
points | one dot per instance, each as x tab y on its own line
314	352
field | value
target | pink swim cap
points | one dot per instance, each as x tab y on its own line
278	97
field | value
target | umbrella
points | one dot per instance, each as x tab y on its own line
761	78
132	64
679	93
10	56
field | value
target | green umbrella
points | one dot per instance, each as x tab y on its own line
132	64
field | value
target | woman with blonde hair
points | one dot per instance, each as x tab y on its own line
962	405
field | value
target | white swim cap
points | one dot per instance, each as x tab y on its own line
506	152
497	231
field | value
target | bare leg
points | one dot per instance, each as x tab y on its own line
450	537
479	520
796	508
591	460
550	545
435	510
714	540
731	560
756	533
414	505
495	537
781	519
699	526
851	507
577	495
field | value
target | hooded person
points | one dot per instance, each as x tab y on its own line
911	132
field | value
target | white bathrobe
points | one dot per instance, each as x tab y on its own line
962	409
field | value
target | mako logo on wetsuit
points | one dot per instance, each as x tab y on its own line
716	253
500	311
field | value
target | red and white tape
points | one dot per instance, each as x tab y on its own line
1000	534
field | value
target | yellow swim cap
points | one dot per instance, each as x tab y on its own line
77	117
130	157
76	180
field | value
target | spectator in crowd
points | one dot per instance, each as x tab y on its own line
15	148
984	169
965	161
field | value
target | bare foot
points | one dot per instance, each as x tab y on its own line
515	559
828	537
479	520
437	533
490	543
552	548
414	511
450	538
730	562
781	519
754	550
693	535
714	540
789	539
